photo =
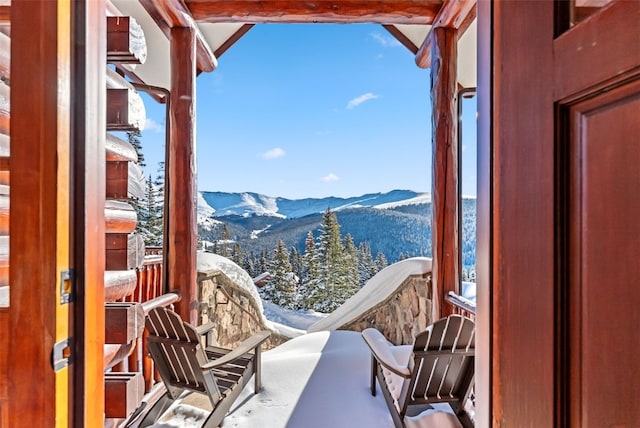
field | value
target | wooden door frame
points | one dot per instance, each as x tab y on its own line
515	301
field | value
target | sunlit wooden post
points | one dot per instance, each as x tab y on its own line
445	193
181	168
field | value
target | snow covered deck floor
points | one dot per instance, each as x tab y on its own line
319	380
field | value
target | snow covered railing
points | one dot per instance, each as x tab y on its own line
461	305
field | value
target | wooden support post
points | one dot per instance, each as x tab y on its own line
181	190
445	193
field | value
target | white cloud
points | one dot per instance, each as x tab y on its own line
384	40
152	125
330	177
273	153
361	99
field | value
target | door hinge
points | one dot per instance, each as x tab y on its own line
67	286
62	354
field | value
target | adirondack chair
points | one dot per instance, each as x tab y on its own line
186	365
438	368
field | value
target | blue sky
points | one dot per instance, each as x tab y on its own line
310	110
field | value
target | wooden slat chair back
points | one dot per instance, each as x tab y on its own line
438	368
185	364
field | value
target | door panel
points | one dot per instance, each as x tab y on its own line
604	251
563	145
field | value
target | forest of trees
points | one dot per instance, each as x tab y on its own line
329	271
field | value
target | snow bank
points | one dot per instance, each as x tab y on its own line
375	291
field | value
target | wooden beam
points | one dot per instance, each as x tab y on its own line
445	194
173	13
399	36
458	14
180	189
233	39
351	11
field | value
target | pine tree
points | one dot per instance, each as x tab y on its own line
236	254
351	266
366	265
223	249
333	286
309	275
281	287
134	139
381	261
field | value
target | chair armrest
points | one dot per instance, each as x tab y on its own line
245	346
381	350
205	328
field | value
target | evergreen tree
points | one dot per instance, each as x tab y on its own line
333	286
366	266
236	254
281	287
351	265
223	249
309	275
381	261
134	139
155	202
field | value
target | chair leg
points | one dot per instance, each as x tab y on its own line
257	362
374	370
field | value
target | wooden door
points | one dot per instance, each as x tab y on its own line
562	237
53	328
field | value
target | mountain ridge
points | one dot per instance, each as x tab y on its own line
220	204
396	223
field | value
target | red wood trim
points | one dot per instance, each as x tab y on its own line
173	13
352	11
523	245
399	36
233	39
623	16
180	194
445	197
5	163
457	14
5	14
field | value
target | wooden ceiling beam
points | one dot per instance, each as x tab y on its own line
458	14
351	11
400	37
233	39
173	13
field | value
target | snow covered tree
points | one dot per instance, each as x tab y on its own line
134	139
332	287
281	287
366	266
309	276
381	261
223	246
351	265
236	254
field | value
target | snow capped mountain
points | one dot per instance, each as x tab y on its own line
252	204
